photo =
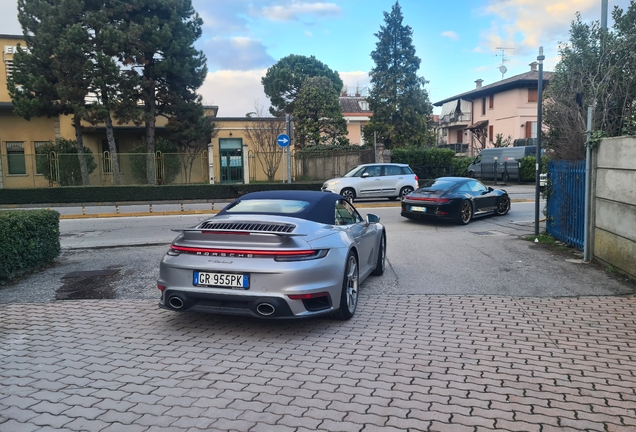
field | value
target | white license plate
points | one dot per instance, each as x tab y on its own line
418	209
224	280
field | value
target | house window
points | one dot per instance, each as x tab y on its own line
40	156
533	95
491	133
531	129
460	134
483	106
491	102
15	158
8	65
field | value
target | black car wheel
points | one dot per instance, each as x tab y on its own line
465	213
349	294
379	267
471	174
349	194
503	206
405	191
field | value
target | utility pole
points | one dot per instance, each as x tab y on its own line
537	195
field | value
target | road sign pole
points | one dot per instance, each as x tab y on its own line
288	129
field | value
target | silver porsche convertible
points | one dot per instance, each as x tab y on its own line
277	254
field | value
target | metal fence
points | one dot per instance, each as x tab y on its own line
57	169
566	201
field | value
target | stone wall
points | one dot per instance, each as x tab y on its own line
614	204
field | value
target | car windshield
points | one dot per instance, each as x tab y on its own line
356	172
268	206
437	185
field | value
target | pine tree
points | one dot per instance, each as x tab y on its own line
160	48
283	81
52	74
318	114
399	102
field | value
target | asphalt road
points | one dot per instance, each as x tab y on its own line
487	257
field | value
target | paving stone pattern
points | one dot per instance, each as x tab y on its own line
416	363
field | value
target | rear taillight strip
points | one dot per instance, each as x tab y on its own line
243	253
439	200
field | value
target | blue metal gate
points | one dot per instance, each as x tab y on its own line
566	201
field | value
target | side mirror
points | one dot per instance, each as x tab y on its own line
371	218
490	189
365	175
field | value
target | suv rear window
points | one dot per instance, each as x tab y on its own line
407	170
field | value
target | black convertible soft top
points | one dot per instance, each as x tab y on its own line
321	206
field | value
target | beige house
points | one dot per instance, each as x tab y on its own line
355	110
505	110
234	158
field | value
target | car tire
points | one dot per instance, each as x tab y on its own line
379	267
503	206
505	177
349	293
349	194
405	191
465	213
471	174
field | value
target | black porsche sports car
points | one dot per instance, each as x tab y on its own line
455	198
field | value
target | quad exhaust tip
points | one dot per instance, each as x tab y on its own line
265	309
175	302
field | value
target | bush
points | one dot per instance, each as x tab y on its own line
460	166
169	161
30	240
528	167
422	156
135	193
67	169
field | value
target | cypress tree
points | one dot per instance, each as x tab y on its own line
399	102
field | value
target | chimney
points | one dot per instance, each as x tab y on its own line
478	82
533	66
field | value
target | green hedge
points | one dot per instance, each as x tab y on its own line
422	156
528	167
100	194
460	165
30	239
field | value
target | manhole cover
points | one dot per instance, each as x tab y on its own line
89	273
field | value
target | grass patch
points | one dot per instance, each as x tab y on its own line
547	239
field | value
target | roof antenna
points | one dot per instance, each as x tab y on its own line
503	69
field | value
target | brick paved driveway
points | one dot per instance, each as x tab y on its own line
431	363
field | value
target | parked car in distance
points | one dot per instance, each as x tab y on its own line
458	199
275	254
379	180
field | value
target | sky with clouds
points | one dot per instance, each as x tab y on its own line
457	40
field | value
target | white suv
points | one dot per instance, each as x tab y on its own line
379	180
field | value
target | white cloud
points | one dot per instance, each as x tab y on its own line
292	11
9	17
234	92
308	34
451	35
236	53
528	24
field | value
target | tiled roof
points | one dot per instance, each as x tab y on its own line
350	104
526	79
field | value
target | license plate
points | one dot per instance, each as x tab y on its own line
418	209
224	280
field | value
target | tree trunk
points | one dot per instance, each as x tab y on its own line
150	119
79	141
114	158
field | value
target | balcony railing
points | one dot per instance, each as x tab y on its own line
455	118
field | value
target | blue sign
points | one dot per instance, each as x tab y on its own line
283	140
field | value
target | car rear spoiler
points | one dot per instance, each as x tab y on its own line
238	232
